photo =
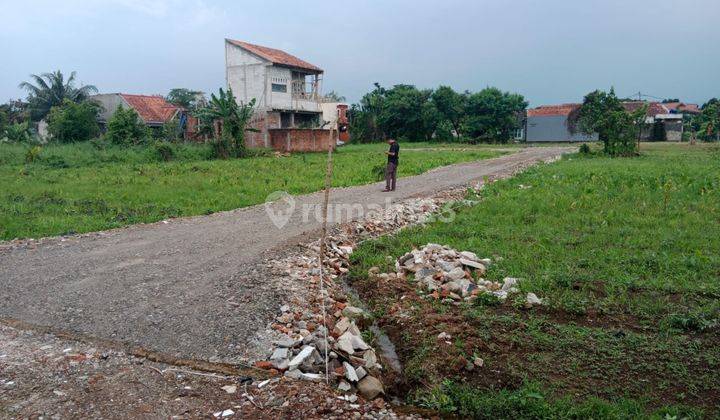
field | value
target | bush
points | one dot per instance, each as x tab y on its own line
72	121
585	149
17	133
126	127
164	151
170	131
32	154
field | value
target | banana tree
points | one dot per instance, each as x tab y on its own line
233	117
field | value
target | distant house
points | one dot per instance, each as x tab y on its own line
154	110
287	90
663	122
549	123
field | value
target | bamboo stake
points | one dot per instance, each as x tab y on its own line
328	186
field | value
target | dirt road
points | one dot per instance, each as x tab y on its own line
194	287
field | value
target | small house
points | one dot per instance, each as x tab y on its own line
154	110
549	123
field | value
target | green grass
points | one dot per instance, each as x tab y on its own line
79	188
625	251
530	402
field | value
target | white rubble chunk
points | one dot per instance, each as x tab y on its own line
301	357
532	299
350	373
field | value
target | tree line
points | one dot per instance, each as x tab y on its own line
72	116
402	111
408	113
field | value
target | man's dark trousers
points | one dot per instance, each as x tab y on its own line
390	175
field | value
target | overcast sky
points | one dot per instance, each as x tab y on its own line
551	51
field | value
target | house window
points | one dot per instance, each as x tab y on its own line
278	87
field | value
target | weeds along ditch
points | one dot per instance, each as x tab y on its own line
78	188
624	254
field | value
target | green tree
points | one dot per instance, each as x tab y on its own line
126	127
233	117
408	113
186	98
364	117
451	107
52	89
708	121
72	121
492	114
333	96
4	119
15	111
603	113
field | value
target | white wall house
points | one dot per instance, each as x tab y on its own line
287	90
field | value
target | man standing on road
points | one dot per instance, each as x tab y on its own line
392	163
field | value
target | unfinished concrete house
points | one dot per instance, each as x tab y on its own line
287	91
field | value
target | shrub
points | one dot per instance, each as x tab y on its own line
126	127
32	154
170	131
164	151
585	149
72	121
17	133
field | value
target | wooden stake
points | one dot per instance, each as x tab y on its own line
328	186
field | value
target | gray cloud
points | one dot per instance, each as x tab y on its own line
550	51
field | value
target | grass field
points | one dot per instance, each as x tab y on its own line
79	188
626	253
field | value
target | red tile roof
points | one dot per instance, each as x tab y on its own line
654	108
152	109
276	56
681	107
551	110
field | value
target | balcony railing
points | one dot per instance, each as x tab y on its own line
303	90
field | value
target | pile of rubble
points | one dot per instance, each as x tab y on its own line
451	275
352	363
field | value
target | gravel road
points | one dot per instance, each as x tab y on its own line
193	287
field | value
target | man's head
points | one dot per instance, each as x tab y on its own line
391	141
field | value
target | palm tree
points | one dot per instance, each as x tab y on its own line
51	89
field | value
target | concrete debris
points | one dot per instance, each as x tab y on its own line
280	353
230	389
301	357
300	320
531	300
449	275
350	372
224	413
344	386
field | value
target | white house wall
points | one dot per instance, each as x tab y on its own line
250	76
110	103
247	75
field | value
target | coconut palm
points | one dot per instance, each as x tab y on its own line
51	89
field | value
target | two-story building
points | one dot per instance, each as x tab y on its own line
287	91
